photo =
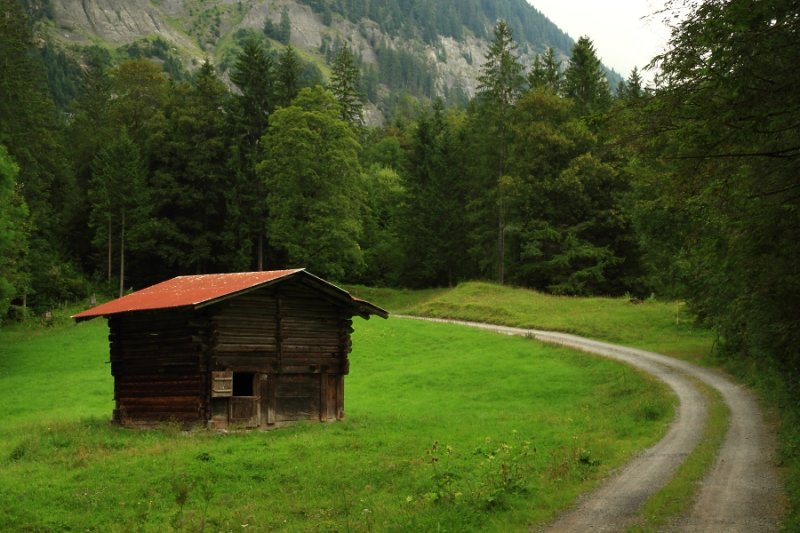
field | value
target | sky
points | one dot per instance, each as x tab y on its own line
625	33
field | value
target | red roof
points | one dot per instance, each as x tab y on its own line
203	289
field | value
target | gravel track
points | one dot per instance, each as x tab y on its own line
742	493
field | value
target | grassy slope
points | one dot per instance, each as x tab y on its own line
447	428
661	326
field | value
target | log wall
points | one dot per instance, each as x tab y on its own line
159	366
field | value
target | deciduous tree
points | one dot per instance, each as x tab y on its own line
311	171
728	122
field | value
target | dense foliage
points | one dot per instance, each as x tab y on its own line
727	123
543	179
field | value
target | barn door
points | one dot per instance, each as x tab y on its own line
245	404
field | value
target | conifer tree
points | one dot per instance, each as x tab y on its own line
140	90
501	82
584	80
433	224
33	133
345	85
546	72
288	77
193	183
631	89
285	27
255	76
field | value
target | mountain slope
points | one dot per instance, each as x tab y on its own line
424	47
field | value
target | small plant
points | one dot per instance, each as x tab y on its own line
507	469
503	469
443	477
585	458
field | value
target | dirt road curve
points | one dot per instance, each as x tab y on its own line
742	493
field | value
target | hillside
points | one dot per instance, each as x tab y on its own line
420	47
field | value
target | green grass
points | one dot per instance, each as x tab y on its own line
447	429
665	327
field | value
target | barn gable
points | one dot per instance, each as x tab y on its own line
252	349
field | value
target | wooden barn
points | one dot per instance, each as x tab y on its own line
252	349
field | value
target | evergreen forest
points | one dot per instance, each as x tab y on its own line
548	177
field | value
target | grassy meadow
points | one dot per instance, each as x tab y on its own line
446	429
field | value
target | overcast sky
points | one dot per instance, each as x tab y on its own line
625	33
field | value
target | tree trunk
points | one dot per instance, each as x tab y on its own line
109	251
122	256
501	246
260	252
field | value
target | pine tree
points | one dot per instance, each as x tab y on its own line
193	185
501	79
632	88
584	80
288	77
501	83
345	83
261	90
254	75
33	133
285	27
140	90
433	222
546	72
569	231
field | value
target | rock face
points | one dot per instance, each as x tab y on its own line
117	22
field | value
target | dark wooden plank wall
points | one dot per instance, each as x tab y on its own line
285	330
159	365
297	337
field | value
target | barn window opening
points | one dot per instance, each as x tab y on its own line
243	383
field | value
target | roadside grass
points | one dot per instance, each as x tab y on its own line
447	429
677	496
665	327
